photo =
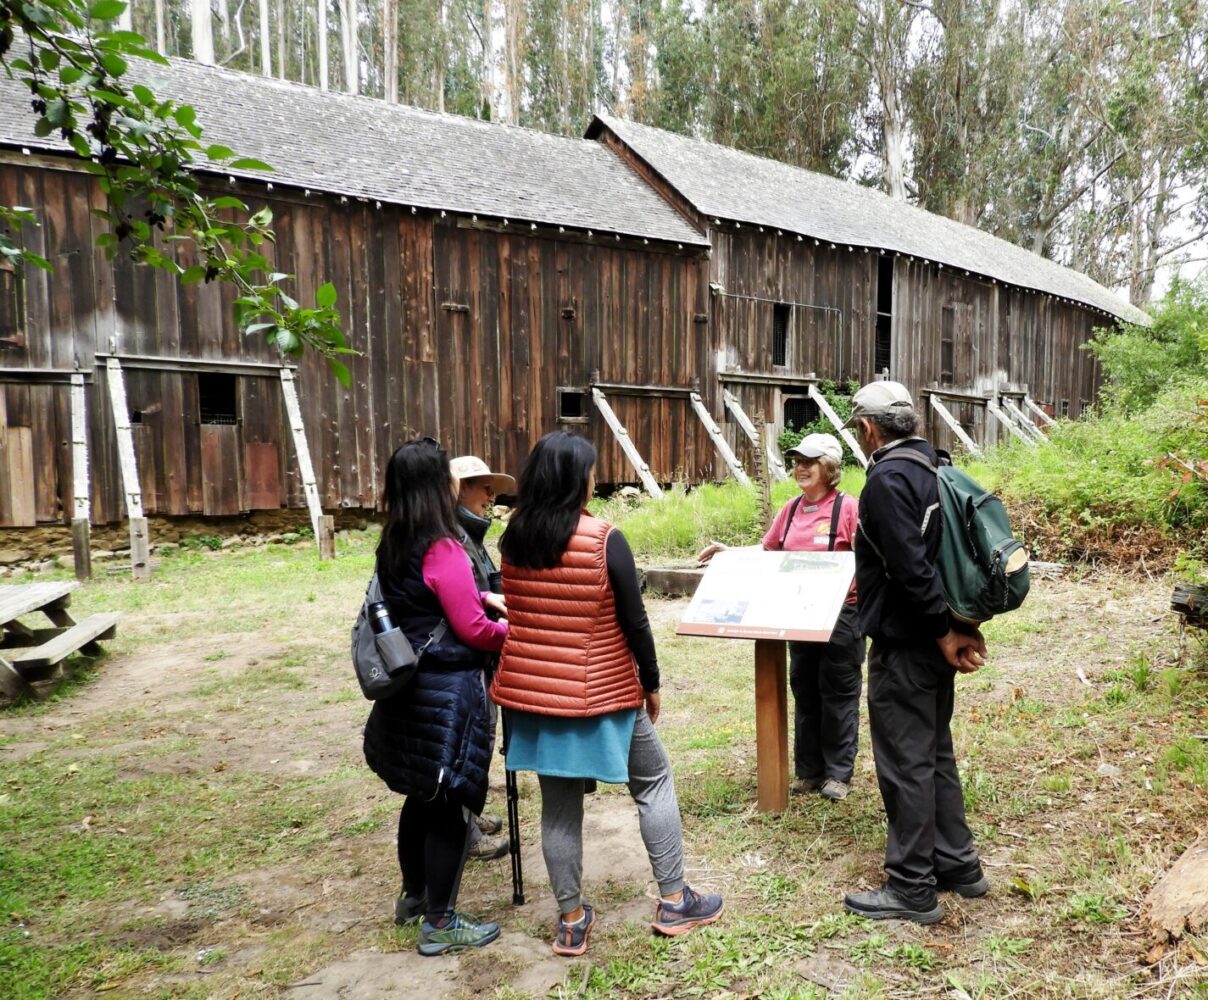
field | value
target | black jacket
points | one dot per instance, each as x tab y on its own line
433	737
486	572
899	594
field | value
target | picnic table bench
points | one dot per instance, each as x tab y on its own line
30	655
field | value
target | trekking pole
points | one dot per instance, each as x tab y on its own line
513	797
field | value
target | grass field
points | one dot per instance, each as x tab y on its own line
191	816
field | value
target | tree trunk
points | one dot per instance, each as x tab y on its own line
281	39
224	26
513	13
125	20
203	36
348	35
266	34
161	41
322	44
390	49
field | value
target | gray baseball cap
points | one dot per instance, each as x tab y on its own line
879	399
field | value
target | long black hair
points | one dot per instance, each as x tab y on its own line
419	504
549	500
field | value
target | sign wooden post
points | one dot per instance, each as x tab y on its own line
771	726
771	597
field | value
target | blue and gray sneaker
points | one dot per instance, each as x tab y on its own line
694	910
458	934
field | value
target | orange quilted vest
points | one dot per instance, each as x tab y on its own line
565	653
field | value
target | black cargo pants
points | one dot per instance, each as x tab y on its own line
825	678
910	698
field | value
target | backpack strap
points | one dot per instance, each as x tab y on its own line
788	521
836	513
911	456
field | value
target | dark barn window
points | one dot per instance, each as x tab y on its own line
799	412
572	405
947	348
781	312
883	348
12	306
1065	408
216	398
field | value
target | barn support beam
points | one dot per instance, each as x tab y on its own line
833	417
1030	405
81	512
322	525
954	425
719	441
993	409
740	416
1025	424
626	443
140	538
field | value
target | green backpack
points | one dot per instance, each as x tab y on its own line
983	567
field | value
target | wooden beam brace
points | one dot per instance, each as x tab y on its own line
719	441
309	487
833	417
775	464
140	539
627	445
954	425
1025	424
1030	405
634	389
159	363
81	513
993	409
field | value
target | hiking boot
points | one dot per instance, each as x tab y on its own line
693	910
803	786
886	904
488	848
835	790
408	909
490	825
571	938
458	934
968	890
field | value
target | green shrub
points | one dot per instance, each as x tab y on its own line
1140	363
839	398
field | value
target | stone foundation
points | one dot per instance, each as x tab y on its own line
38	548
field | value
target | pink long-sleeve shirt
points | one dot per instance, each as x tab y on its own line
448	575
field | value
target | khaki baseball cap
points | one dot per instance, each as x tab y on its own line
817	445
879	399
472	467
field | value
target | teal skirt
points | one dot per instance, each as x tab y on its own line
596	747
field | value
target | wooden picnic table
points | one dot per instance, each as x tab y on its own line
31	655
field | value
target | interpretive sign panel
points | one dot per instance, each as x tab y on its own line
750	593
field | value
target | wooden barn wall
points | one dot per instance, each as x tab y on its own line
831	322
529	313
1002	337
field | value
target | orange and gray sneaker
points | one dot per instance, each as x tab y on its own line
571	937
693	910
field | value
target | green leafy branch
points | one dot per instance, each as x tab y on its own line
143	150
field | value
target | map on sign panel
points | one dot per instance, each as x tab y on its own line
750	593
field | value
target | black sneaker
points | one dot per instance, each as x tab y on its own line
969	890
886	904
408	909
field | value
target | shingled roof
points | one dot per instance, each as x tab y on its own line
724	183
361	147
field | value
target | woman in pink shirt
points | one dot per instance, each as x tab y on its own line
431	742
825	676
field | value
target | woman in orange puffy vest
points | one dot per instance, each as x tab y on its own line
579	679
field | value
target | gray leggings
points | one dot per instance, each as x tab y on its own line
653	790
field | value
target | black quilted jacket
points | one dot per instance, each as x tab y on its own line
433	737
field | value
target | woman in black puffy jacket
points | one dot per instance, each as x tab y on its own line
431	741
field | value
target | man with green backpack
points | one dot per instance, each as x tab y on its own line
918	646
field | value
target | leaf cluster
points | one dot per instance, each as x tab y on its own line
143	151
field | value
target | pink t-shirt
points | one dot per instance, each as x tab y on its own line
810	530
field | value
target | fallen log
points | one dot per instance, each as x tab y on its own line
1178	903
1191	601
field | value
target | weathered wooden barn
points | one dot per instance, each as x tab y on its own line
479	268
498	282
